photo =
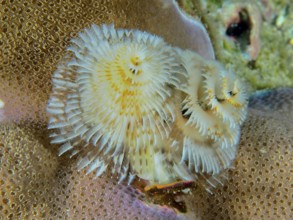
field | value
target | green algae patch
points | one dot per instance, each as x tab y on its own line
273	66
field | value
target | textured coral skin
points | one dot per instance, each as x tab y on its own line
35	34
35	182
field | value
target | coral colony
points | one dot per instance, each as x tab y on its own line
128	101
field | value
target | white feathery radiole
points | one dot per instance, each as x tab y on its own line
128	101
213	106
111	95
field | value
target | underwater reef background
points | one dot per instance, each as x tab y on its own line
36	183
253	38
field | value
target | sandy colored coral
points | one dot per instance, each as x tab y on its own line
36	183
34	35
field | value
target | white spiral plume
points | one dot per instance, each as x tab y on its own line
111	97
213	107
125	100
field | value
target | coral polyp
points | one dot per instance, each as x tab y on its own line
213	106
112	95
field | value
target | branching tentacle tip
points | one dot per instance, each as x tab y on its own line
214	107
112	93
125	99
